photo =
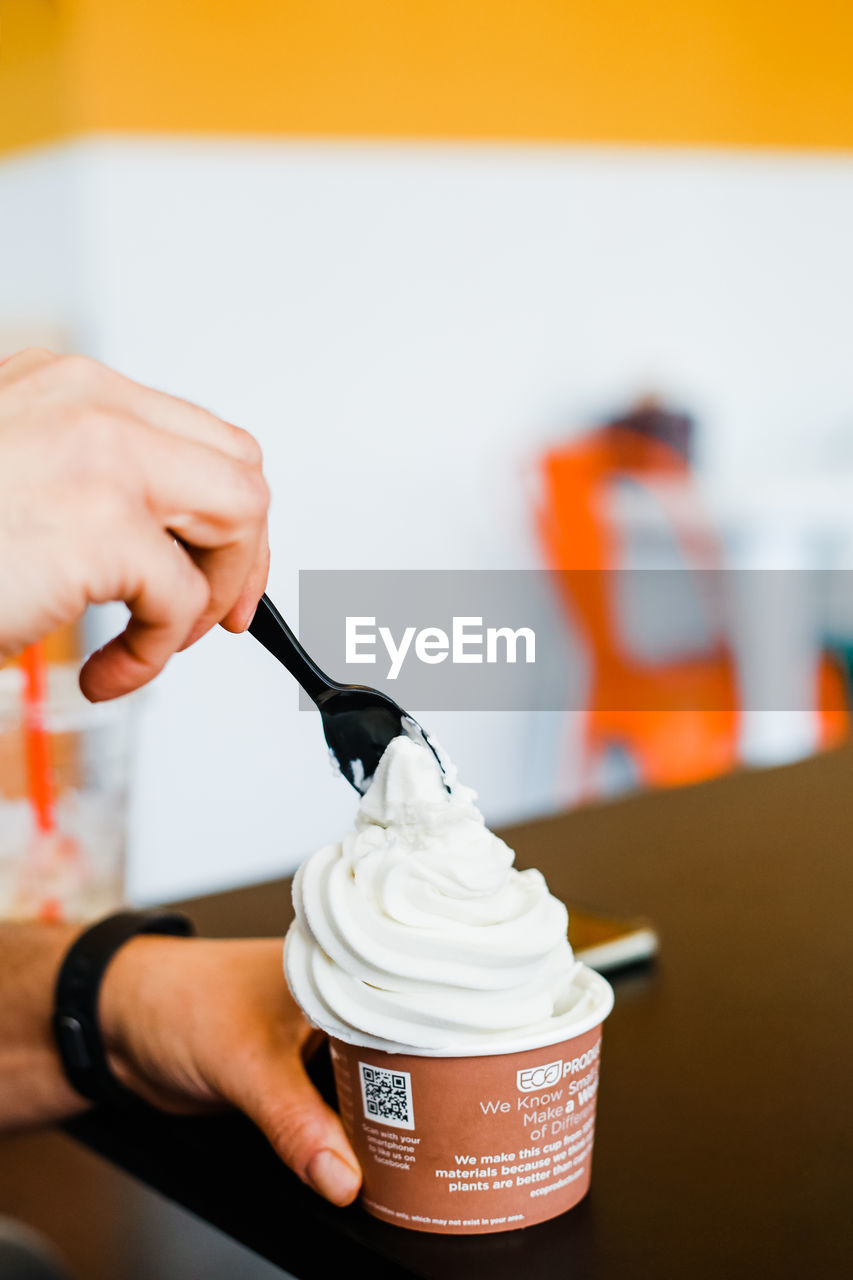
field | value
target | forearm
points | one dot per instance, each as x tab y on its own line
188	1024
33	1088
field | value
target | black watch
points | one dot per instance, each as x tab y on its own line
75	1016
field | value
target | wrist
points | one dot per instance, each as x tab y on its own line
126	1004
103	993
135	1010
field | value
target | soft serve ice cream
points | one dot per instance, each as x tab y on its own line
464	1036
416	933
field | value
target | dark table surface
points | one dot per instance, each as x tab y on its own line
724	1140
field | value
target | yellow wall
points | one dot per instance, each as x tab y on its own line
33	87
676	71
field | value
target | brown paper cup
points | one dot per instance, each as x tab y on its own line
468	1145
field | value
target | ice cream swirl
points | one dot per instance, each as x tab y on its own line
416	931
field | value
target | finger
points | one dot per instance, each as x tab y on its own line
226	571
207	498
166	593
103	386
192	422
216	506
90	382
242	611
241	614
25	361
305	1133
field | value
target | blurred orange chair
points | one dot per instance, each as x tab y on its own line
677	720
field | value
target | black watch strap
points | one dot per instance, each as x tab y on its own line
75	1017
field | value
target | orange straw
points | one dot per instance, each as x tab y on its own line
39	767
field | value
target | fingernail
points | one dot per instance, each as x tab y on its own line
332	1177
243	612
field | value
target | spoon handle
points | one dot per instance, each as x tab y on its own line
270	628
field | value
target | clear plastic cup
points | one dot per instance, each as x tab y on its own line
62	857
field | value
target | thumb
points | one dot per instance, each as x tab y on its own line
303	1130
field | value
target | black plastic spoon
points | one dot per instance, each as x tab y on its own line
358	722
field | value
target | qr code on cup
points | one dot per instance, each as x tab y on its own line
387	1096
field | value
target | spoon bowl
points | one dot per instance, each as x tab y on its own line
359	722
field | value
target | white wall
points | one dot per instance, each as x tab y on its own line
402	327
